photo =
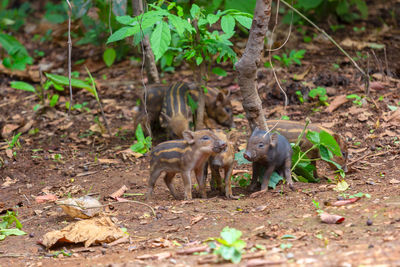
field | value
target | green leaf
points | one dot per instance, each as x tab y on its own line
13	231
230	235
244	21
36	107
126	20
240	159
23	86
313	137
274	180
123	33
392	108
329	141
180	24
326	156
54	100
228	24
199	60
362	7
139	134
160	39
62	80
220	72
109	56
195	11
212	18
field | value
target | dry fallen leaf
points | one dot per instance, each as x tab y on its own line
8	182
337	102
8	129
196	219
84	207
394	181
119	192
108	161
91	231
331	218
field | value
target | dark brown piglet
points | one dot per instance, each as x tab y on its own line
272	152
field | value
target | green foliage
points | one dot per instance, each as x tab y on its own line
219	72
287	60
18	57
14	18
321	9
242	180
23	86
109	56
6	222
143	144
172	37
14	141
357	99
317	206
320	94
328	147
229	246
240	159
56	13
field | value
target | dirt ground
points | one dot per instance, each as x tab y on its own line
67	156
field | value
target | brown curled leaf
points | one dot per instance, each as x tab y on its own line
345	202
331	218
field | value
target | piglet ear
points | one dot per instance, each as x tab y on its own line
188	136
274	140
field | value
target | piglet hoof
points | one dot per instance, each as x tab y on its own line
232	197
259	193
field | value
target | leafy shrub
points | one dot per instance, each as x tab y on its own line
229	246
18	57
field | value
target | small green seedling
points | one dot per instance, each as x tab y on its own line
143	144
6	222
320	94
287	60
357	99
317	206
229	246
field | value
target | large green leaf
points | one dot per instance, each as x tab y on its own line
22	86
126	20
180	24
12	231
240	159
195	11
244	21
109	56
160	39
212	18
230	234
313	137
325	155
63	80
123	33
228	24
329	141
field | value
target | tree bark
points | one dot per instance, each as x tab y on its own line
248	64
201	80
150	64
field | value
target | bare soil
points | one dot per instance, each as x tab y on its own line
96	163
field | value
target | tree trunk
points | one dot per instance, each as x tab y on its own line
201	80
248	64
150	64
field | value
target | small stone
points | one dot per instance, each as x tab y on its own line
290	255
32	235
371	246
158	215
369	222
85	168
103	251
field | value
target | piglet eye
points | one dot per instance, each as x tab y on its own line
205	137
260	145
